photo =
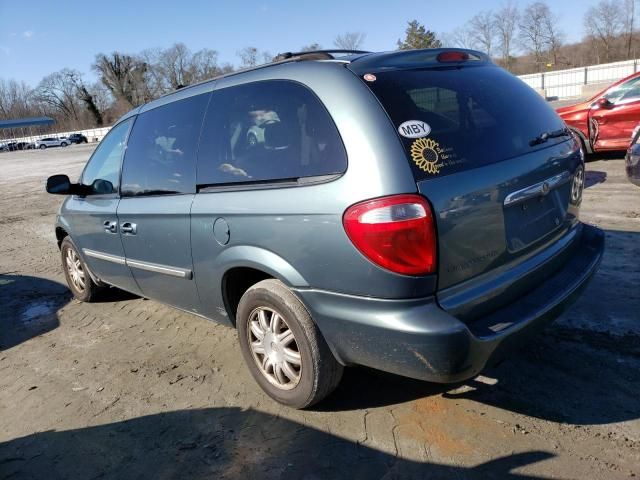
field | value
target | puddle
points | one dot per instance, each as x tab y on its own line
38	311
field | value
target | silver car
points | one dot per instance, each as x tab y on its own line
52	142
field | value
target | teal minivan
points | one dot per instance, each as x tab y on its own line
415	212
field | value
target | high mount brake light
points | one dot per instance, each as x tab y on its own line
396	233
452	57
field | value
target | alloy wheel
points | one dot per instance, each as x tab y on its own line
274	348
75	270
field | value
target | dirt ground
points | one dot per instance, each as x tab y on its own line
129	388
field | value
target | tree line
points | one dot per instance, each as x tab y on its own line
126	80
523	40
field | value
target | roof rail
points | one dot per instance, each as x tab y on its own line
315	54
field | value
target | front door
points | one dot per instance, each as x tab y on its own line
611	127
93	218
158	186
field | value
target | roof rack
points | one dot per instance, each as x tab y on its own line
316	54
277	60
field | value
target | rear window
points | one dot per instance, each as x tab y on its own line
455	119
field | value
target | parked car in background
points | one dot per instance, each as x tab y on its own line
632	159
606	121
365	225
25	145
77	138
52	142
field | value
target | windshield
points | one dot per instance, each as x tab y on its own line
453	119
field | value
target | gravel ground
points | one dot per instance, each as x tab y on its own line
129	388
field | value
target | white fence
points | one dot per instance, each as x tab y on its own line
575	81
92	134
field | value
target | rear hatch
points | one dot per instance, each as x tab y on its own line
498	167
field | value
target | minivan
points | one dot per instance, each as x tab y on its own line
414	212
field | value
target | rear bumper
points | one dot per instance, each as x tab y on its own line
418	339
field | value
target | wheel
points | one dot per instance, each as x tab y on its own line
283	348
63	144
252	140
42	147
76	273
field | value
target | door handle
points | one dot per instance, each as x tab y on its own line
128	227
110	226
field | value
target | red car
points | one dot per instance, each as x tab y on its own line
606	121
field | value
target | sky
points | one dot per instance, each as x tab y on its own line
40	37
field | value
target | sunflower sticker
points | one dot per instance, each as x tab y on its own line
426	154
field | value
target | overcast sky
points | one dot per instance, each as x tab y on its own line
40	37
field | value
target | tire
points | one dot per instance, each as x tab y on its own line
42	147
63	144
318	373
85	290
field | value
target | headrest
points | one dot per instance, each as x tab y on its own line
277	136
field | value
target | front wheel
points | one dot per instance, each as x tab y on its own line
63	144
283	348
42	147
76	273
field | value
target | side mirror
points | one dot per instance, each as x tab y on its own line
59	185
101	187
603	103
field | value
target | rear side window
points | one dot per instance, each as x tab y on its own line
267	131
455	119
161	152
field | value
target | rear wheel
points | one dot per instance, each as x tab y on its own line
63	144
283	348
42	147
76	273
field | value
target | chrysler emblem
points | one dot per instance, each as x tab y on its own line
545	188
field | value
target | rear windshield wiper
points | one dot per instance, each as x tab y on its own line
543	137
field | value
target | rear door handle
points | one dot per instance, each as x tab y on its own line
110	226
128	227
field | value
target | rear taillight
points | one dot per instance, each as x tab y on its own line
396	233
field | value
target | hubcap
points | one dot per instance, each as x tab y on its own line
578	185
274	348
76	272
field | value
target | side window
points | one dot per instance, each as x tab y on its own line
624	91
268	130
161	151
102	172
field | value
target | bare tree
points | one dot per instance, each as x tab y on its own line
534	27
461	37
57	91
532	30
506	22
554	36
311	47
248	57
350	40
126	76
85	96
604	22
482	28
629	23
16	99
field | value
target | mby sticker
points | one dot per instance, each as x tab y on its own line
414	129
